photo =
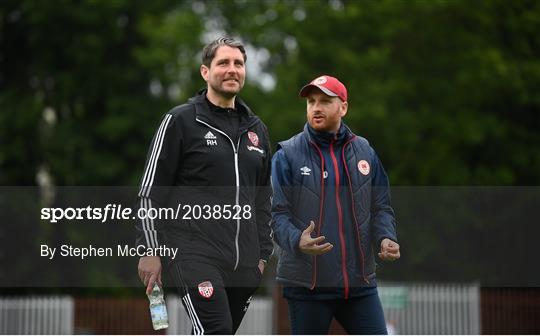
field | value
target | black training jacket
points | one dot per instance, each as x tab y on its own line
192	162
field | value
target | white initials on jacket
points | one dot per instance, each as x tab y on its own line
210	139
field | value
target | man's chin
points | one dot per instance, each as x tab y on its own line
229	93
319	127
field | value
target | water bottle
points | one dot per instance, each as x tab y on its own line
158	309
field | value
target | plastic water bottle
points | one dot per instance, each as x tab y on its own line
158	309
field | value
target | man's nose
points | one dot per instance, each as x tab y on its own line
231	68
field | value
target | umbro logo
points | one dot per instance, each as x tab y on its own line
210	139
305	170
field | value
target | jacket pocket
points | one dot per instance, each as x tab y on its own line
293	268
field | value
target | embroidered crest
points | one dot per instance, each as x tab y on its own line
363	167
253	138
205	289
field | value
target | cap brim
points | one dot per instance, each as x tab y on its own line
305	90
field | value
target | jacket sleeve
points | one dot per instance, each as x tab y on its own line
383	220
263	203
159	175
286	235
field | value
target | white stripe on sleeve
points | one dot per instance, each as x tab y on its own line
150	170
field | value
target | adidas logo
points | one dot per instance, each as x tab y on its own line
210	135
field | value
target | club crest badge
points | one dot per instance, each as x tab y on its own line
205	289
363	167
253	138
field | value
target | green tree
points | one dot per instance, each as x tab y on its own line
445	91
76	83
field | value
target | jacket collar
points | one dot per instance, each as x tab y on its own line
324	139
202	111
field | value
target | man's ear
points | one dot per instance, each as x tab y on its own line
344	108
204	72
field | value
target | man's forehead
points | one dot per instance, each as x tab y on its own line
228	52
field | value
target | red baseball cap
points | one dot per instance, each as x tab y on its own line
329	85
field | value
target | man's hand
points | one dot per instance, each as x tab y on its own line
389	250
310	245
262	264
150	272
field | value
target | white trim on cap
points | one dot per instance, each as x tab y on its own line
326	91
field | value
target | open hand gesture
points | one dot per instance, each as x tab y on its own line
309	245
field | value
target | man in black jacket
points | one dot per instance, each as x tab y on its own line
210	159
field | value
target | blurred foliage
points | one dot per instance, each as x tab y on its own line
445	91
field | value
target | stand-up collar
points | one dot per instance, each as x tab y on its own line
203	111
238	108
324	139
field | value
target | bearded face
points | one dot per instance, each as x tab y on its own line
226	74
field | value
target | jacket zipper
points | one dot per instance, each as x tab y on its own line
237	176
340	224
321	207
358	240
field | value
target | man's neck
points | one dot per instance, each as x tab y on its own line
219	100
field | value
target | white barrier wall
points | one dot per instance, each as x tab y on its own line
432	308
37	315
409	309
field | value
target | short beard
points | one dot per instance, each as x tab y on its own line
224	94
